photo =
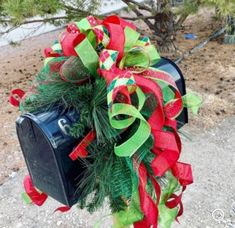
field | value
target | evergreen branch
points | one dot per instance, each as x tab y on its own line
69	7
77	10
105	175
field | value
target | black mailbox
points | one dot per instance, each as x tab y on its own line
46	145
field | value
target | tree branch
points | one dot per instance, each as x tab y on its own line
138	13
138	18
141	6
77	10
68	7
36	20
181	20
9	30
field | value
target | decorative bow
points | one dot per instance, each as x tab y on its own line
114	50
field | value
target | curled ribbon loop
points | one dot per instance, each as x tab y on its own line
143	132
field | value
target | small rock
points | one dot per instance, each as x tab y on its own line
18	225
13	174
59	223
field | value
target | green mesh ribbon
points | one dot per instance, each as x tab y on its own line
129	147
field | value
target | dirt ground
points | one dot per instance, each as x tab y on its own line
210	72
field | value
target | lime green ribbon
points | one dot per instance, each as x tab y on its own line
131	38
129	147
138	52
131	215
168	215
86	49
133	212
88	56
192	101
142	56
83	25
26	198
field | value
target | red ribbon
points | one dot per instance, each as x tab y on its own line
62	209
166	149
115	25
183	172
147	204
36	197
117	39
80	151
49	52
119	21
16	96
174	107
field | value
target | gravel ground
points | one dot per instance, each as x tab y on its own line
209	202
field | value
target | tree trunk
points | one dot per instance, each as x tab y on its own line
164	31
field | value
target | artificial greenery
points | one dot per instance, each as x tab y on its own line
51	90
89	99
105	176
109	176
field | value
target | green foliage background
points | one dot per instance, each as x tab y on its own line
19	10
14	13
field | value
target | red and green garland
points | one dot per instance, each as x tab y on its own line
103	69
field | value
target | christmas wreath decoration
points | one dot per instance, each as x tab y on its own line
128	112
